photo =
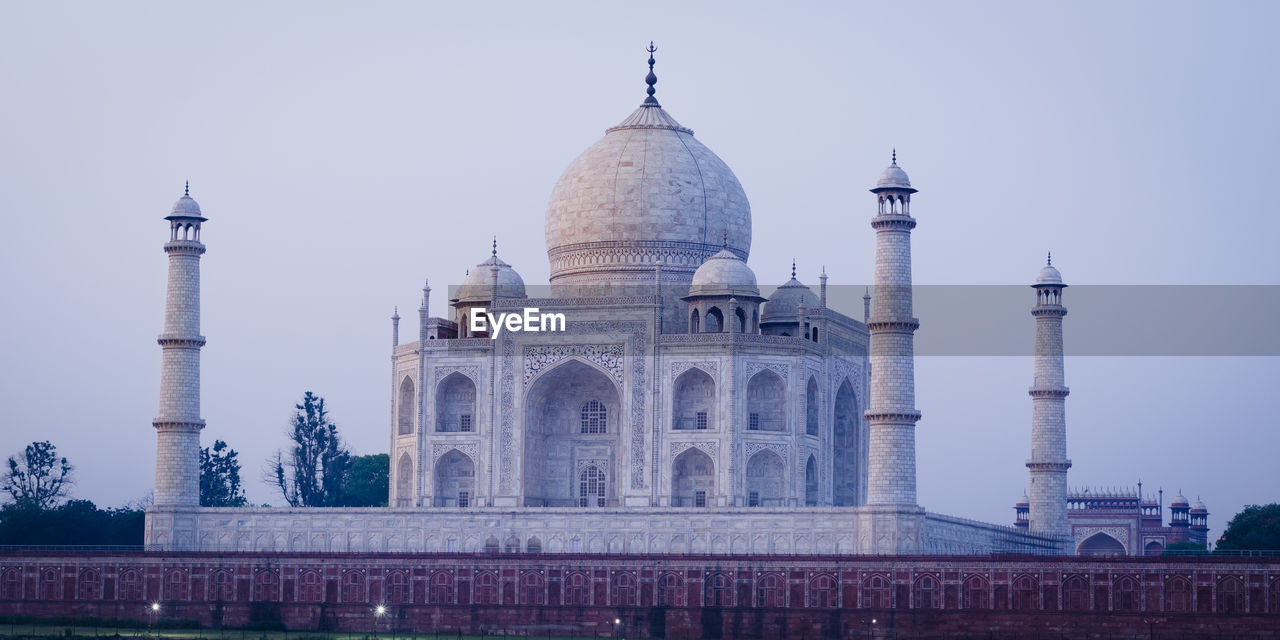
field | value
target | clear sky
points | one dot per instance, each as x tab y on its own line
344	152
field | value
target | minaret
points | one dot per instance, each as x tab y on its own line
1048	462
892	415
178	424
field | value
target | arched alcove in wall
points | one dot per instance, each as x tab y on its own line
693	401
766	480
406	408
693	479
766	402
844	444
571	419
455	476
1100	544
404	481
456	404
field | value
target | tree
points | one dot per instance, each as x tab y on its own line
77	522
39	478
220	477
367	482
315	469
1256	527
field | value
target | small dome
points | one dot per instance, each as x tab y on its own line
1024	501
893	178
478	285
1199	507
1180	502
1049	275
784	304
724	274
185	207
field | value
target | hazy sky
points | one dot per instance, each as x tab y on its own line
343	152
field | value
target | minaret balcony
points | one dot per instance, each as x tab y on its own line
1048	392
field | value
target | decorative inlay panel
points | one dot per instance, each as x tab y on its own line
709	366
709	447
779	448
608	356
783	370
470	449
468	370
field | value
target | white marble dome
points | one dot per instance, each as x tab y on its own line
1180	501
186	207
784	304
1049	275
724	274
478	285
893	177
647	193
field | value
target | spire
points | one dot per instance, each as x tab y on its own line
495	246
724	240
895	156
651	79
186	190
1049	261
793	268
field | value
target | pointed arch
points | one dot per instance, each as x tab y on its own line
406	408
845	471
694	400
713	321
455	403
1026	593
766	479
404	480
975	592
766	402
565	404
1177	595
455	480
811	407
533	588
695	321
1126	594
1100	544
811	482
1075	593
692	479
1231	595
927	592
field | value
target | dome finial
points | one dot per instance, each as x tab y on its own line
1049	261
186	190
895	156
651	79
724	240
793	268
495	246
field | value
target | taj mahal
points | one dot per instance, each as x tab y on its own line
676	410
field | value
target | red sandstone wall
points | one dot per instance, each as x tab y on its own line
659	596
